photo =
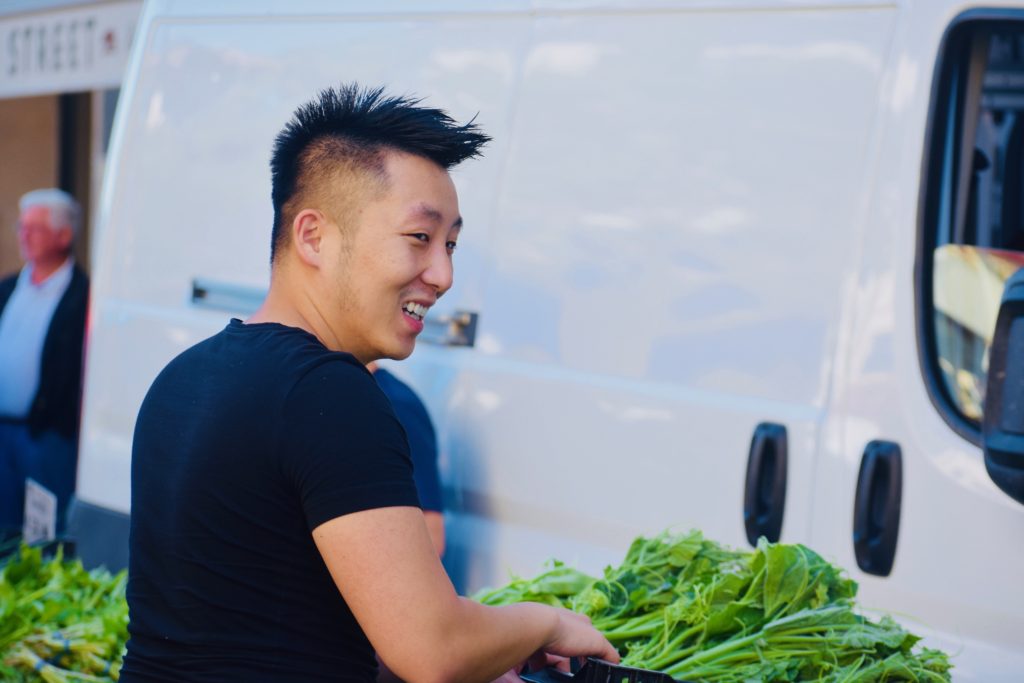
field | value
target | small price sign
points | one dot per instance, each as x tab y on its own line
40	513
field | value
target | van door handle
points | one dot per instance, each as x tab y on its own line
227	296
764	497
457	329
876	510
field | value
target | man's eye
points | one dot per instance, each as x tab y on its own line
420	237
451	246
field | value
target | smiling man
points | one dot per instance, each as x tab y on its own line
276	531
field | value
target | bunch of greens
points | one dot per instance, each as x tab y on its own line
58	622
698	611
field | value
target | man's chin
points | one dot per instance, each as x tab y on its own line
401	356
399	353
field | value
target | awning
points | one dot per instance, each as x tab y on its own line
71	49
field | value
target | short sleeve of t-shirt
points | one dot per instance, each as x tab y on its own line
342	446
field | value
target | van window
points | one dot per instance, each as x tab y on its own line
973	213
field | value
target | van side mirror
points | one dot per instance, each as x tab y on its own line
1003	426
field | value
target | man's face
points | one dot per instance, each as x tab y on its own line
395	259
39	242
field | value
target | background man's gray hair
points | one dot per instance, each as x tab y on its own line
64	210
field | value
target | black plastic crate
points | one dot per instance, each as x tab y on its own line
599	671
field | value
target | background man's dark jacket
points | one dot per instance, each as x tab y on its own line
56	404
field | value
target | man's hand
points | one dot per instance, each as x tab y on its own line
542	660
575	634
509	676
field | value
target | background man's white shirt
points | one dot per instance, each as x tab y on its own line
23	326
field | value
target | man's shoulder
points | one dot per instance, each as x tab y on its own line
287	357
250	371
254	350
79	279
337	393
333	372
74	301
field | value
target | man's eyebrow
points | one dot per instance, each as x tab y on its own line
426	211
432	214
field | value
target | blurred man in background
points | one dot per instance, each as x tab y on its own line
42	325
419	430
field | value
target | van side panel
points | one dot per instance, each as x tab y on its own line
675	231
959	556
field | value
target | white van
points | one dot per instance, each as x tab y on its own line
728	264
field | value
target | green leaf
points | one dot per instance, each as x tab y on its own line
786	574
683	549
871	635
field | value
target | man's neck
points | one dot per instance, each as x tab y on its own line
283	306
42	270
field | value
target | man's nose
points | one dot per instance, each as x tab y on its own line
439	273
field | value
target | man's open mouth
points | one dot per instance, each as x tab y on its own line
415	310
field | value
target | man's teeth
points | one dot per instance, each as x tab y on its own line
415	310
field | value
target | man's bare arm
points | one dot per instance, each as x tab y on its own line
389	573
435	527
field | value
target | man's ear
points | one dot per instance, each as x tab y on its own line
308	236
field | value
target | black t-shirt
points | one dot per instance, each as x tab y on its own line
244	444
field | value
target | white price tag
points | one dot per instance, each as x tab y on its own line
40	513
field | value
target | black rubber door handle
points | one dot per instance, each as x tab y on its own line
876	510
764	496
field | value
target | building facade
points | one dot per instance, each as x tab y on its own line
61	65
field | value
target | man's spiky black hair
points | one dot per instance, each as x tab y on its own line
363	123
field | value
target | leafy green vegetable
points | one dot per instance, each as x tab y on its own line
60	623
553	587
699	611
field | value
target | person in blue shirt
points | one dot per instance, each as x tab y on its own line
415	419
42	327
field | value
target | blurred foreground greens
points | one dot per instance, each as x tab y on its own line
58	622
702	612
